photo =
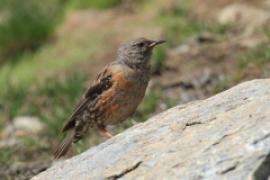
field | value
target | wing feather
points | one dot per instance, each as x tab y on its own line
102	83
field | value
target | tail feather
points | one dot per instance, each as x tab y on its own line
64	146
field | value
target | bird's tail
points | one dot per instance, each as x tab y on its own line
64	146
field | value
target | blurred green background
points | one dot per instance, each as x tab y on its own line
51	51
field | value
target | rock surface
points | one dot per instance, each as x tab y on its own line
23	126
224	137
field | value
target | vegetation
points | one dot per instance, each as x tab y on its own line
50	101
26	25
259	56
158	62
94	4
179	25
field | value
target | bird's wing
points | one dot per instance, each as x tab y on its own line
103	82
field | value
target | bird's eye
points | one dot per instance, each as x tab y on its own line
141	44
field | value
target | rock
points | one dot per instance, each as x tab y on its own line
244	16
22	126
226	136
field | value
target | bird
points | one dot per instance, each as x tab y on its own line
114	95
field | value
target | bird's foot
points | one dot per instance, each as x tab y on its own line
103	132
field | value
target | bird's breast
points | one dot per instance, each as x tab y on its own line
123	98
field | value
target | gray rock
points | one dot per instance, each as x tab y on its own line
224	137
23	126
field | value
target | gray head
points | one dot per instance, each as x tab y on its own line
136	54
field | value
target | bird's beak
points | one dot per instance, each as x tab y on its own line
154	43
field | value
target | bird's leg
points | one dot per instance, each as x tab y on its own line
103	132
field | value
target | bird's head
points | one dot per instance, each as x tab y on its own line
137	53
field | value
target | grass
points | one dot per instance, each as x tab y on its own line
94	4
258	59
7	156
158	60
150	103
259	56
254	62
44	83
27	25
63	95
179	25
52	101
221	86
29	149
63	52
179	28
47	61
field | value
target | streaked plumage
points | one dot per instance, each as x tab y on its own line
115	94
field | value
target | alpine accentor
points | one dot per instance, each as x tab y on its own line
115	94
